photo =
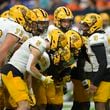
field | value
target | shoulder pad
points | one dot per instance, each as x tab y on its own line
57	39
96	39
74	39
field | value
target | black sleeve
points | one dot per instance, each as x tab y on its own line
100	53
80	66
78	72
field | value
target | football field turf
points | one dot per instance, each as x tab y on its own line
67	106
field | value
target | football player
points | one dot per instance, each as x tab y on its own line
106	26
13	31
91	26
24	59
42	26
49	96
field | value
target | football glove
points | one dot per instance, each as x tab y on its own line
32	97
48	80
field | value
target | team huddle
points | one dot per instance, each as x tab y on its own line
38	58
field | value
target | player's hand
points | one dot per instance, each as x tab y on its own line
66	79
48	80
32	97
93	89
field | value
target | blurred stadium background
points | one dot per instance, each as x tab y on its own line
78	7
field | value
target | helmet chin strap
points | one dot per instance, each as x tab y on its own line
82	33
64	29
38	32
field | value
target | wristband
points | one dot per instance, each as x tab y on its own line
43	78
31	91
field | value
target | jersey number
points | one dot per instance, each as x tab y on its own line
19	32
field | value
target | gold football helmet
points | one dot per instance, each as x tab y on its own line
105	16
93	21
78	18
62	13
22	15
41	14
42	20
106	19
5	14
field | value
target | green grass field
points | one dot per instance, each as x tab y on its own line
67	106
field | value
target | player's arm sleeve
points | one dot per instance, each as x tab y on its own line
100	53
31	64
80	66
78	71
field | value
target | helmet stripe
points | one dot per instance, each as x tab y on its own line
43	13
66	11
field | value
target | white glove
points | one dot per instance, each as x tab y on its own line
47	79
